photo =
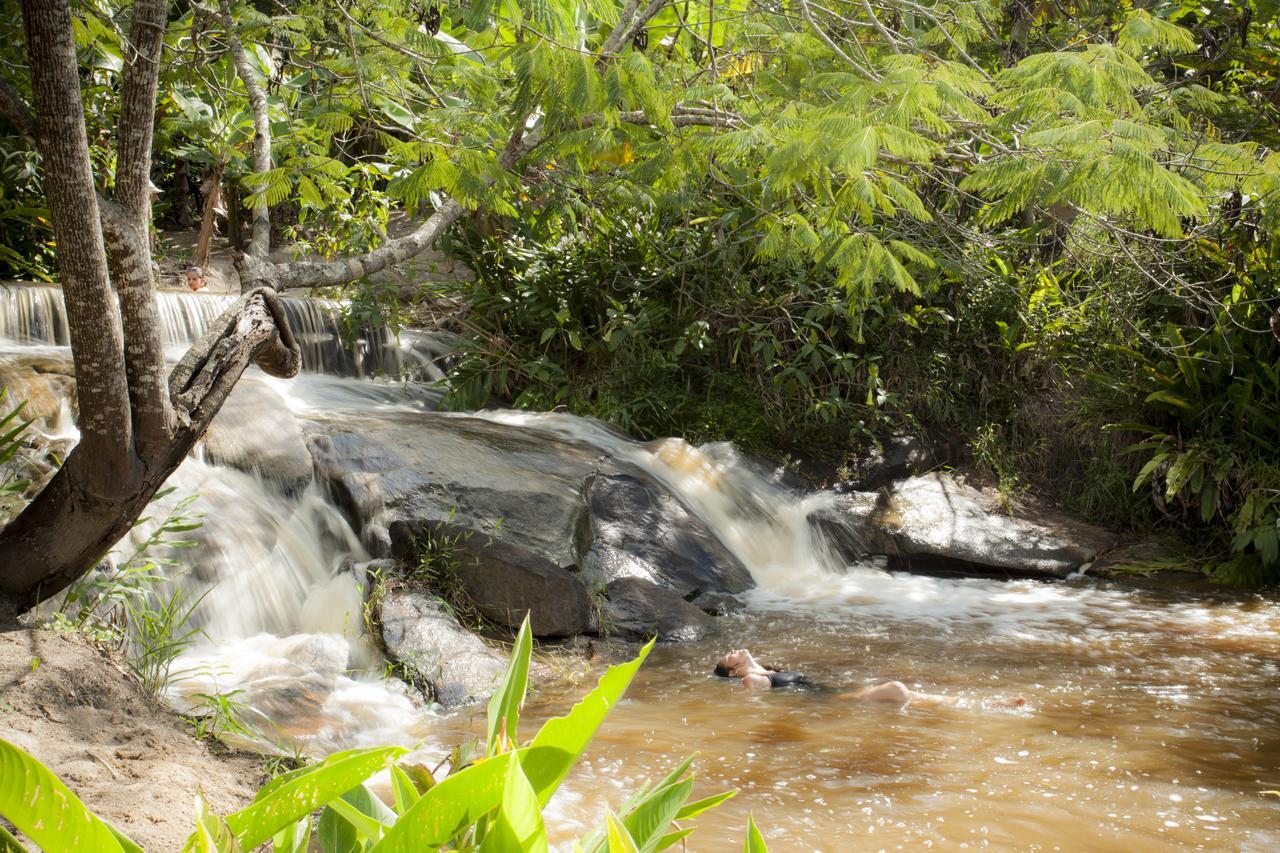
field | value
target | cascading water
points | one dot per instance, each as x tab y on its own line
34	314
1145	727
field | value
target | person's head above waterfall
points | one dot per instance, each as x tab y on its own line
740	663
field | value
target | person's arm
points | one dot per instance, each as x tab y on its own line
756	681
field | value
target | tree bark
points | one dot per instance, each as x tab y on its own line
106	430
136	424
129	252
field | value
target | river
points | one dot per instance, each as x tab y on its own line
1152	716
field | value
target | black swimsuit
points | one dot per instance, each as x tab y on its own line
789	679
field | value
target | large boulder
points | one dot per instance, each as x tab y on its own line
640	530
533	519
423	637
255	432
505	581
936	524
523	486
638	610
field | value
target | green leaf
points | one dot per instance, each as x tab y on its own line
706	804
212	835
504	707
649	821
293	839
45	810
450	806
673	838
299	794
406	793
9	844
755	841
562	740
620	841
518	824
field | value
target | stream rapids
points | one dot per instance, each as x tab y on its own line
1152	717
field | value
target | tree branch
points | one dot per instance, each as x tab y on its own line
128	246
260	246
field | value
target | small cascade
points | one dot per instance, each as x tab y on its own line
35	314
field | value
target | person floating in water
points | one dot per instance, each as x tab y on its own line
739	663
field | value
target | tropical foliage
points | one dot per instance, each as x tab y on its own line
492	802
800	226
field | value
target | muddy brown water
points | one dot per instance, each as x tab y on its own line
1154	725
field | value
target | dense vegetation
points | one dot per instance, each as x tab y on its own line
1046	229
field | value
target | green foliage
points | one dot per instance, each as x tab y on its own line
46	811
492	803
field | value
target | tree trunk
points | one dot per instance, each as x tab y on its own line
136	423
97	345
212	200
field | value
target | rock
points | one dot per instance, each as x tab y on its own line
718	603
428	642
46	383
638	609
935	524
640	530
520	485
536	519
255	432
505	581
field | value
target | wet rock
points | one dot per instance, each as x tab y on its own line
255	432
521	486
639	530
536	519
421	635
45	382
503	580
936	524
638	609
718	603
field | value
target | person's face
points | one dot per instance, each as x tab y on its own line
735	660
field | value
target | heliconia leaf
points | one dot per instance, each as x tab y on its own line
504	707
36	801
620	841
518	824
297	794
562	740
451	805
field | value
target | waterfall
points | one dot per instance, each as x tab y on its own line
35	314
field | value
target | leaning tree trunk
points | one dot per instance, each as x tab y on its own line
137	422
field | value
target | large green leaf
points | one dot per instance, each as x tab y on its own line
648	822
449	807
504	707
518	824
562	740
299	794
45	810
